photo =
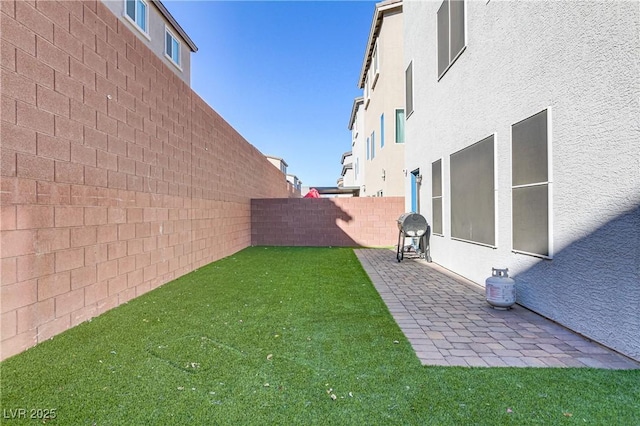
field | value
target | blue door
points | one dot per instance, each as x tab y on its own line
414	190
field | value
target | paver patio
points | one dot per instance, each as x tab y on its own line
448	321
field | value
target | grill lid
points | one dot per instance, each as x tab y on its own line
412	224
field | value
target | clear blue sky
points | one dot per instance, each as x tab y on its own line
283	73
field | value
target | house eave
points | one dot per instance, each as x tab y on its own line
382	9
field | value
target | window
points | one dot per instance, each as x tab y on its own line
368	150
436	197
408	81
451	33
366	91
399	126
472	193
373	145
382	131
172	47
530	185
137	11
374	66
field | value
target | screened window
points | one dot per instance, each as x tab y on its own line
472	193
373	145
137	11
408	94
172	47
451	33
399	126
382	131
436	197
530	185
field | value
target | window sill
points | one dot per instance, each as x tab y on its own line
526	253
452	62
170	59
375	80
136	26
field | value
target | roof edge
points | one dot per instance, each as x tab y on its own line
165	12
376	23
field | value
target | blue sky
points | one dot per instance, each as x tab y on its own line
283	73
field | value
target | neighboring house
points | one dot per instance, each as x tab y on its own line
381	78
279	163
356	125
153	24
347	177
520	124
295	186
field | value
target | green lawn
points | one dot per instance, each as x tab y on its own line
285	336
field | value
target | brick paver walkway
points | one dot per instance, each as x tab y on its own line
448	321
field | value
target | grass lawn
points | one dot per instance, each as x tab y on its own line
285	336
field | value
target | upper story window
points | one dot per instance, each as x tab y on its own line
408	89
172	47
375	69
373	145
138	12
382	131
451	33
368	149
399	126
366	92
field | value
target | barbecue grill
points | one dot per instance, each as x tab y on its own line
414	226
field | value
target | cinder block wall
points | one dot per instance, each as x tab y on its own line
347	222
116	177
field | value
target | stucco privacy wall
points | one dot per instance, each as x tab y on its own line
580	61
345	222
116	177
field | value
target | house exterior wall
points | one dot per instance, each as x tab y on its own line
156	36
384	98
114	180
578	61
323	222
356	125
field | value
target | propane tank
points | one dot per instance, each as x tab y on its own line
500	289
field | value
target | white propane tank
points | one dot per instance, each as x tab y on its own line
500	289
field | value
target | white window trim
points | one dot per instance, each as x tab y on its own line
134	23
408	114
395	122
173	35
375	66
549	184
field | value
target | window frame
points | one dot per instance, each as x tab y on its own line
439	197
494	193
382	130
375	65
373	144
134	20
408	91
548	183
167	31
451	60
401	122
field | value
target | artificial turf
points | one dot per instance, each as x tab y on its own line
286	336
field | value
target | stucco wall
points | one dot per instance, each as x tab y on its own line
580	61
385	97
346	222
116	177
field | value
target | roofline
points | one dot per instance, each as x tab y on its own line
381	9
357	101
169	17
